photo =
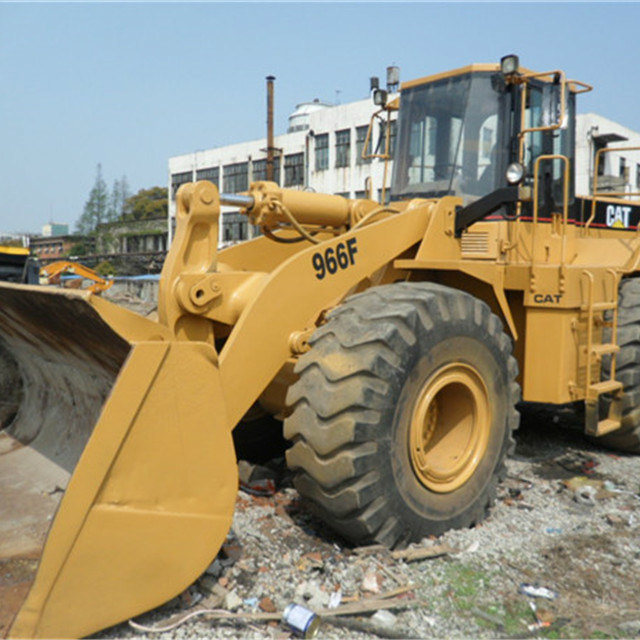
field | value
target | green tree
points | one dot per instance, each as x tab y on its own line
120	192
147	203
96	207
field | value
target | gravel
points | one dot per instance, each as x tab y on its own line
540	533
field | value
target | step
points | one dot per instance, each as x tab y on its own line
600	306
606	386
604	349
606	426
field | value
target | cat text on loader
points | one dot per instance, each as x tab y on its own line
382	334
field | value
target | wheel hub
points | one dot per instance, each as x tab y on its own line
449	429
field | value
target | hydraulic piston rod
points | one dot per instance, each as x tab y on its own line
267	204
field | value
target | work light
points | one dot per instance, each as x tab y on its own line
509	65
514	173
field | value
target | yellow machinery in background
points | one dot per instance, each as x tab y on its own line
17	265
394	339
52	274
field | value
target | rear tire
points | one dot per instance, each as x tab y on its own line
403	413
627	438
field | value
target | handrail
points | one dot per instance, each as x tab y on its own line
523	109
614	319
382	156
563	101
590	301
565	202
594	188
585	87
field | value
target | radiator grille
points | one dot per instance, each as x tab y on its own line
475	243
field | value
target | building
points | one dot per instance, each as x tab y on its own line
55	229
49	248
618	171
125	237
322	151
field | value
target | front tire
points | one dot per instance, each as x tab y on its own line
403	413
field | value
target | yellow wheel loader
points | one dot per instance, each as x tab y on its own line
394	340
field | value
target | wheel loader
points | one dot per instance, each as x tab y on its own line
394	340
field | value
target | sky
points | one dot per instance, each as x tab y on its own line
128	85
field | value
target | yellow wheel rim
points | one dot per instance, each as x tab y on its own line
449	429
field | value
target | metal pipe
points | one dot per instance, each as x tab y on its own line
237	200
270	171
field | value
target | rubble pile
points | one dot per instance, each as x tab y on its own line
558	556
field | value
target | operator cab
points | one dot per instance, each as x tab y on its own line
459	131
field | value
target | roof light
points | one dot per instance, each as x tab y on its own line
509	65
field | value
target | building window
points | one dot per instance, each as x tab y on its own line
382	141
212	174
235	177
387	196
638	177
294	169
361	136
322	152
343	147
234	227
178	179
360	195
259	168
623	168
344	194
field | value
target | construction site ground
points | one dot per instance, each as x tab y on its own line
558	557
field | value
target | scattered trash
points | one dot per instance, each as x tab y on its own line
586	495
312	560
588	490
370	582
384	618
335	599
250	602
424	553
213	590
300	620
256	480
614	519
544	617
266	604
533	591
528	483
370	549
588	466
552	530
189	597
232	601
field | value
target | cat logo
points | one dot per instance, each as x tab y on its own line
540	298
618	216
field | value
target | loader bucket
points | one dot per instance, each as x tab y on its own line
117	469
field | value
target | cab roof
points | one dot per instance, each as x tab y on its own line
471	68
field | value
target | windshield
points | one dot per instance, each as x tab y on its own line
452	140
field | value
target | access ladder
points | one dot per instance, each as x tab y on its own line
594	426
